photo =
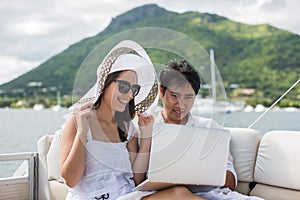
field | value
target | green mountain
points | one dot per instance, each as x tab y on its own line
260	57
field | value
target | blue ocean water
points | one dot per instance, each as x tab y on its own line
20	130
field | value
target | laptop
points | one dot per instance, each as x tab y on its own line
186	155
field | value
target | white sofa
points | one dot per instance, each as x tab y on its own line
266	166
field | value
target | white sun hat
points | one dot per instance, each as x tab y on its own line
126	55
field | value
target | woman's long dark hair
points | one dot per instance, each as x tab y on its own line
121	117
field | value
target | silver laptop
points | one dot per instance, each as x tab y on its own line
188	155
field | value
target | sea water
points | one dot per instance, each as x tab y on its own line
20	129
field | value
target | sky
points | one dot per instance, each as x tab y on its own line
32	31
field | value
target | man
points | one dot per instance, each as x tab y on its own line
179	85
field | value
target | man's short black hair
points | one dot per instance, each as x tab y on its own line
179	72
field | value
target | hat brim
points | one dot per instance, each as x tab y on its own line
144	70
121	58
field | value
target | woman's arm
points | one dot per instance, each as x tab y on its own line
141	161
72	148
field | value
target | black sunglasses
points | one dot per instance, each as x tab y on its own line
125	86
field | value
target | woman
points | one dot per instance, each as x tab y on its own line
100	155
99	146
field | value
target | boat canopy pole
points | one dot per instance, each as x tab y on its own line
267	110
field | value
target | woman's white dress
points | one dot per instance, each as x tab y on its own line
108	173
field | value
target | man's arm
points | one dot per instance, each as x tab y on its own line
230	180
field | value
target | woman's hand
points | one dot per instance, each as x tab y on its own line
146	125
82	120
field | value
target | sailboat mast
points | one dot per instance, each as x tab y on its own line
58	97
213	76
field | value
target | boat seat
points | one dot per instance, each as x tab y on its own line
266	166
243	148
277	167
51	184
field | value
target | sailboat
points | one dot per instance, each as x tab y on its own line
38	107
58	106
212	105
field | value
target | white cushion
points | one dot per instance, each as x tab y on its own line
53	158
43	145
243	147
274	193
278	160
58	191
243	187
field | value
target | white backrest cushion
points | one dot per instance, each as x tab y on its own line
278	160
243	147
43	146
53	158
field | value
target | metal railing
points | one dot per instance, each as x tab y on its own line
21	187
